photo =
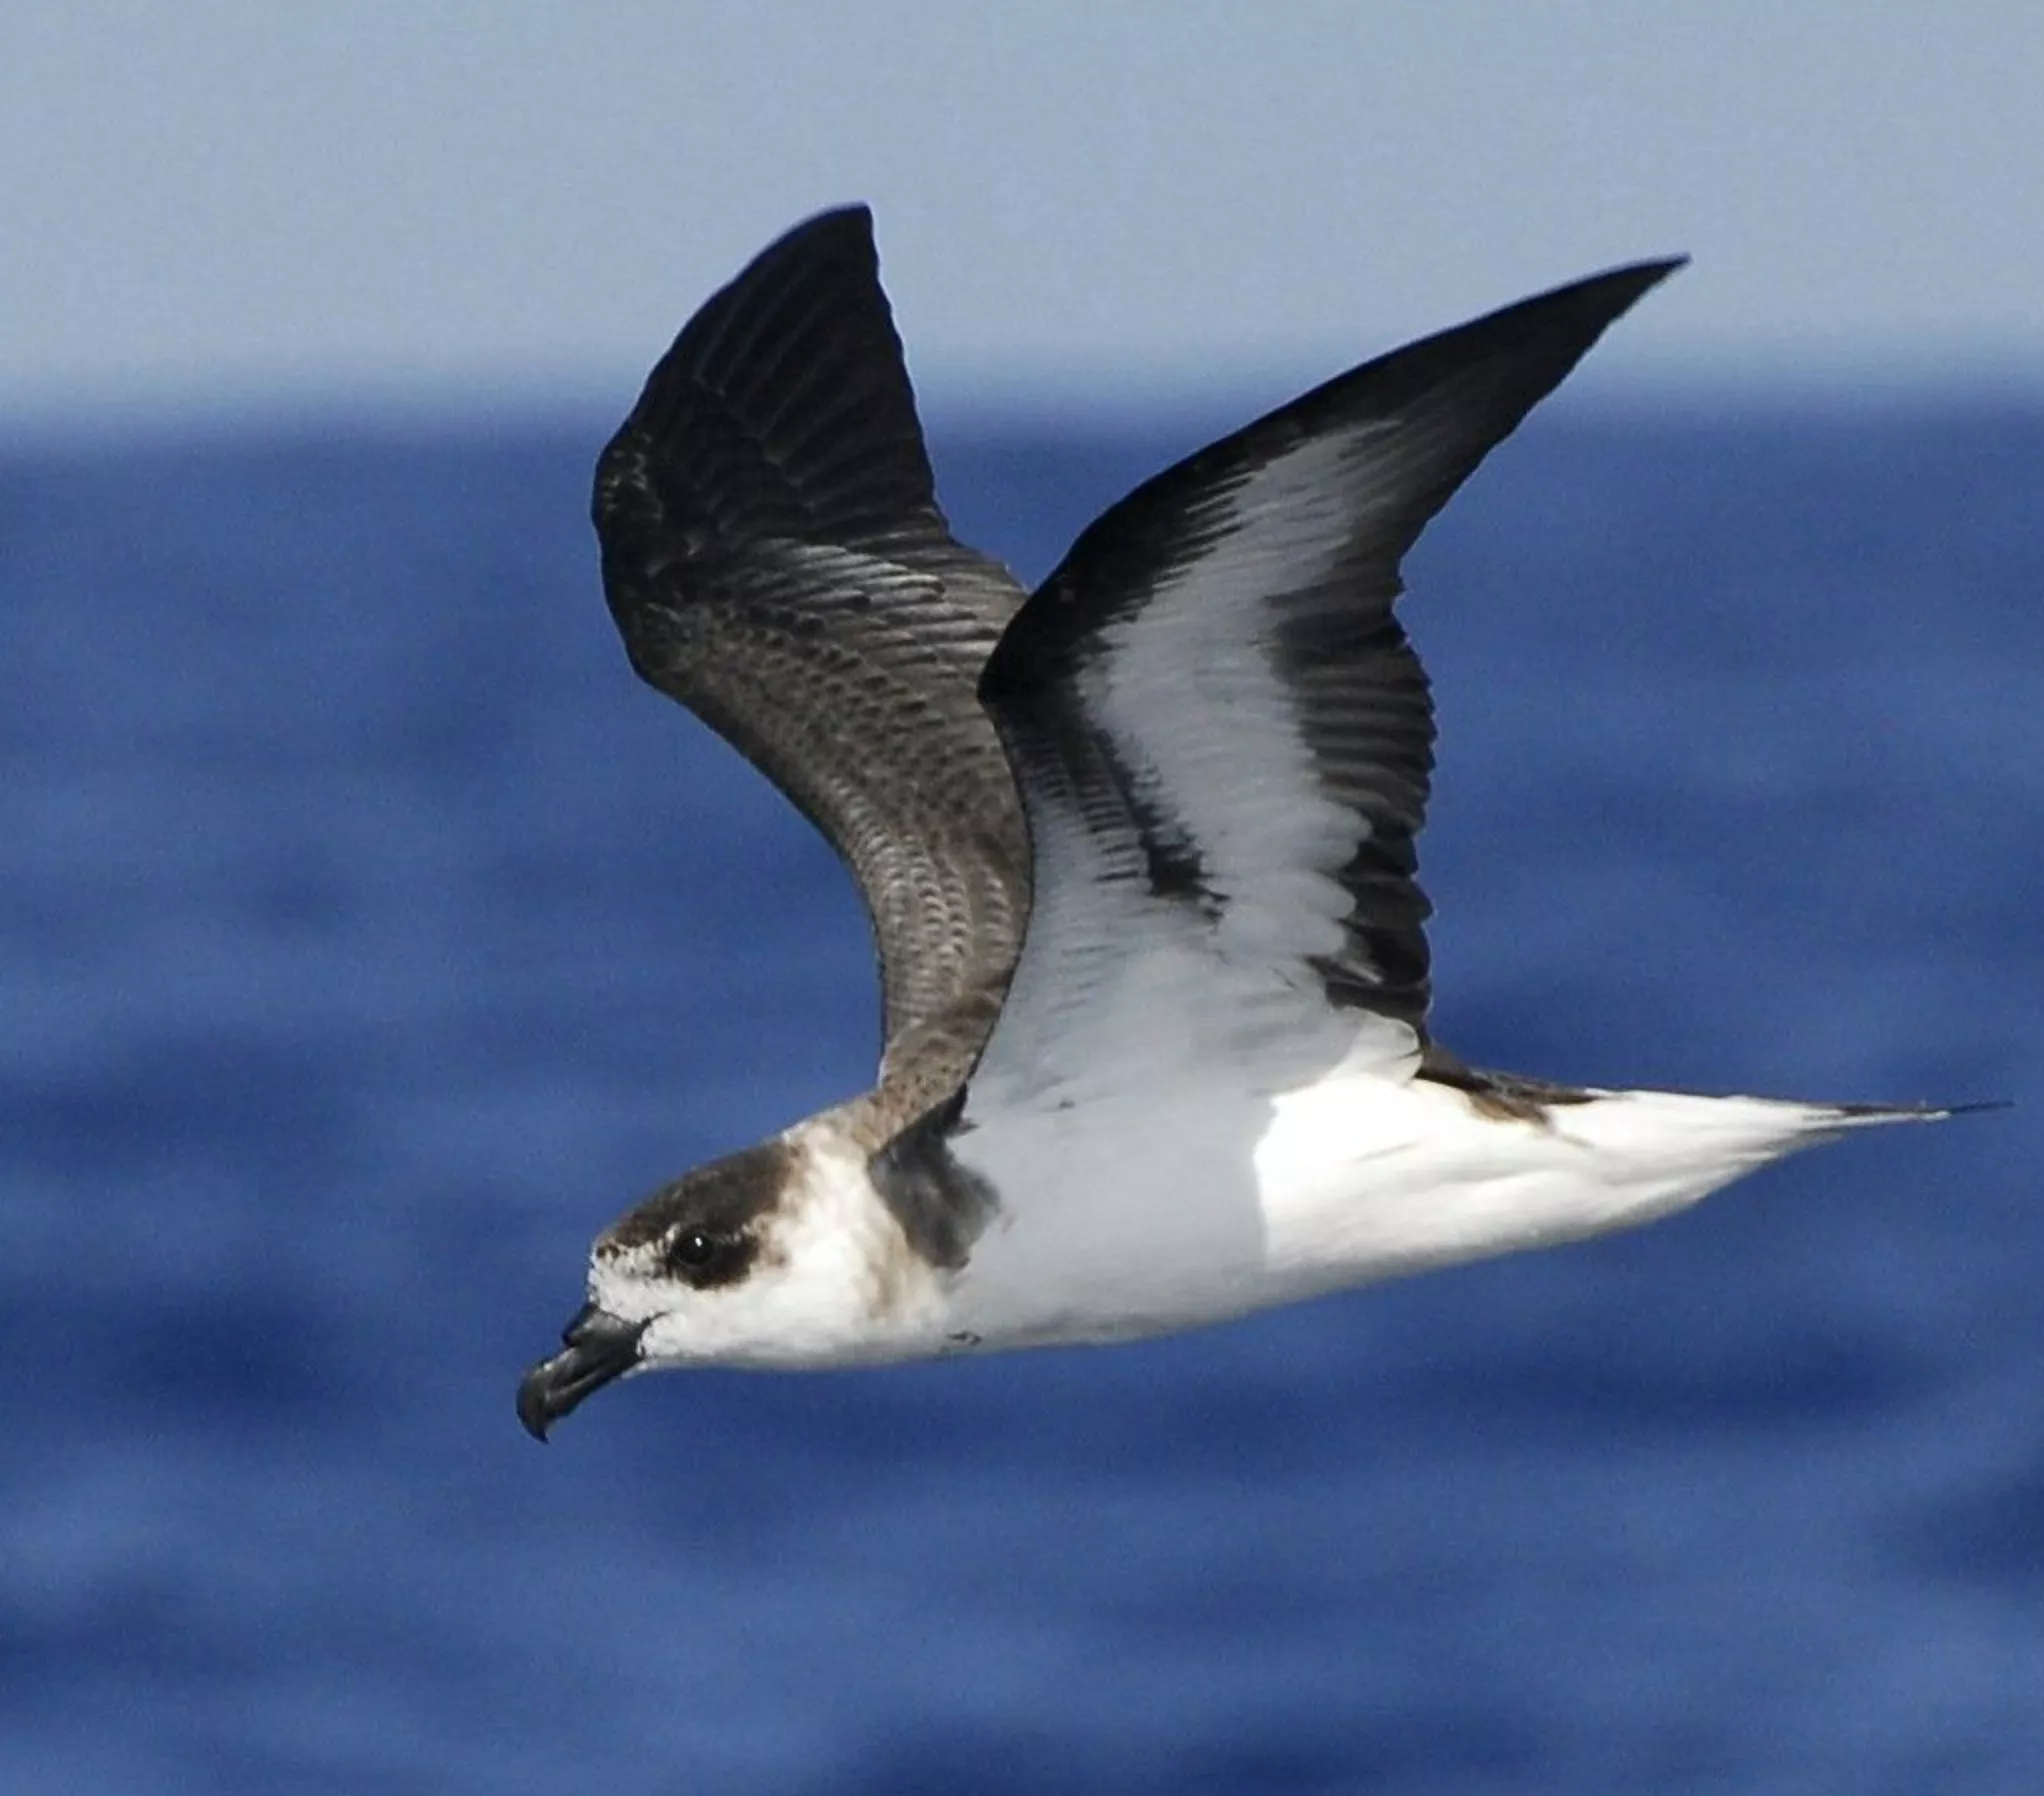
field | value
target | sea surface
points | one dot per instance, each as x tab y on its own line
369	938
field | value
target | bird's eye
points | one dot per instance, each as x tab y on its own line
706	1258
693	1248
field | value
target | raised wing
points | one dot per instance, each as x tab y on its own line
775	558
1223	738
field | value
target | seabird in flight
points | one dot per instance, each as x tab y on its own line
1138	851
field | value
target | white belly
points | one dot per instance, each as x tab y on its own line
1128	1217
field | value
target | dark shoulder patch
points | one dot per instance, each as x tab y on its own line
941	1207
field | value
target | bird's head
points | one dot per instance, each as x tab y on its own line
774	1256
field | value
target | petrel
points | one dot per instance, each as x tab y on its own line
1138	850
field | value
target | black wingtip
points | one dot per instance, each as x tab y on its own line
1649	271
837	231
1616	290
853	219
1446	400
783	407
1532	344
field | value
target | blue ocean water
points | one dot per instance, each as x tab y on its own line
368	938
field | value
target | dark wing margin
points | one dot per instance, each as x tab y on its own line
1210	707
775	559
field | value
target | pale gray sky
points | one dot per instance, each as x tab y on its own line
213	205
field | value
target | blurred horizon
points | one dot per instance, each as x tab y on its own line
1200	409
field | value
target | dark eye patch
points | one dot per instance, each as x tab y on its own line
706	1258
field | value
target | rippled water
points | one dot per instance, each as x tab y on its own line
368	938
